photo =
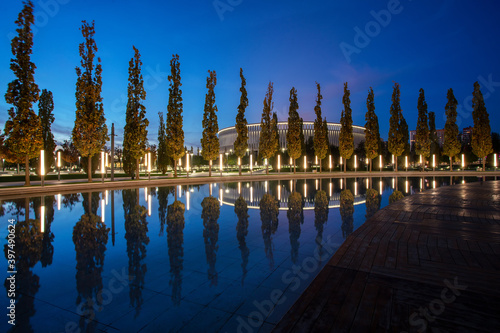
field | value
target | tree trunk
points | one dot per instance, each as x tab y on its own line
294	166
89	168
396	163
137	173
451	163
26	171
371	164
210	168
175	168
320	165
484	162
267	168
240	168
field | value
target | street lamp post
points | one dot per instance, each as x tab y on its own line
59	165
42	165
380	162
251	163
406	163
187	164
102	166
305	163
279	163
330	162
220	164
149	165
355	163
433	162
463	162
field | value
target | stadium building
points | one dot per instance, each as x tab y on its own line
227	136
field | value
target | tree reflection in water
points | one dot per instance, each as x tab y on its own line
136	229
163	193
90	237
175	240
241	210
395	196
210	215
28	249
295	216
372	202
346	212
269	210
320	218
48	235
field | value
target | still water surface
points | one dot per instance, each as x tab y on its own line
186	258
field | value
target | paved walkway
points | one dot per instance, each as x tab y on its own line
428	262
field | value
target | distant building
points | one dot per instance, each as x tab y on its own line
439	133
467	135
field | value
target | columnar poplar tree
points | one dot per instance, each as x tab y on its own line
90	132
45	108
320	131
175	133
452	145
163	158
135	134
396	137
268	143
241	142
481	134
293	136
372	134
346	137
210	141
23	131
422	140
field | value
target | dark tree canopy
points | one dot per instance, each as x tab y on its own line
163	158
481	134
320	130
175	132
452	144
210	141
372	134
241	142
268	143
422	140
346	137
294	135
396	140
90	132
23	131
45	108
135	134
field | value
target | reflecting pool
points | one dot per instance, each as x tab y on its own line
229	257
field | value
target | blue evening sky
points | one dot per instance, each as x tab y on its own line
433	45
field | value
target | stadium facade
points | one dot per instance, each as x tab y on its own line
227	136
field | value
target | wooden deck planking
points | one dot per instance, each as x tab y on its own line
400	261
